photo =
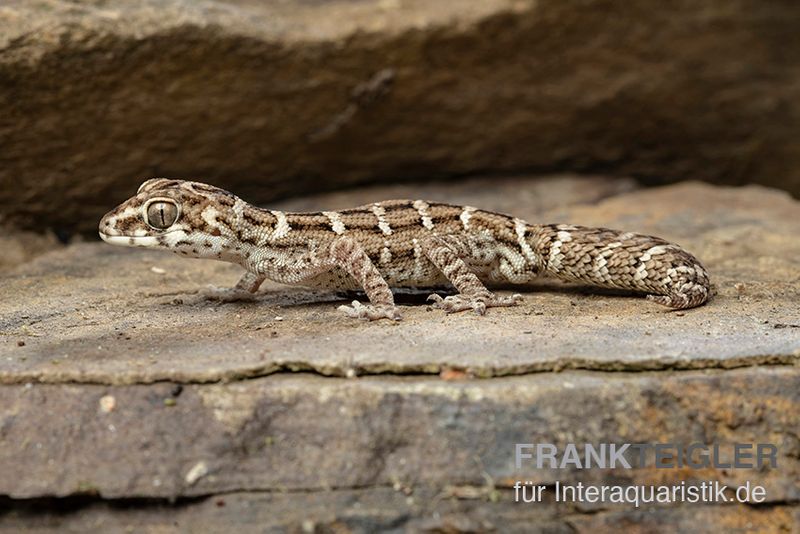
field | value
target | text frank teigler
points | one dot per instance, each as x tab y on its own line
538	456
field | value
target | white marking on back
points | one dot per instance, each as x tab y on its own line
422	208
600	266
282	227
554	258
641	272
238	208
386	255
525	247
601	262
466	215
379	212
336	221
609	248
656	250
417	259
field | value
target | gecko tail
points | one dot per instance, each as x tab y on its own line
695	296
665	272
687	287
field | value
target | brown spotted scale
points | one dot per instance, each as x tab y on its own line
398	243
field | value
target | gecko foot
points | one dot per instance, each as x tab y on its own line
371	312
478	302
227	294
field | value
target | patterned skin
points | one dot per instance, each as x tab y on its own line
398	243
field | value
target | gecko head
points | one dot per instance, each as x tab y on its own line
189	218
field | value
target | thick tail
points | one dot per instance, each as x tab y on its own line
609	258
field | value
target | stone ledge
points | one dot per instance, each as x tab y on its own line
308	433
93	313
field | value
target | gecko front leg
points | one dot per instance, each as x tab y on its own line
473	295
347	254
244	289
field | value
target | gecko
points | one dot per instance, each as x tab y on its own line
399	244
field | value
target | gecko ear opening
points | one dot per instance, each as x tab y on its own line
161	213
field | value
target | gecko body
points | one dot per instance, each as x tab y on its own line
399	243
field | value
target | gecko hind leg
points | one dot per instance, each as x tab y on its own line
473	295
347	254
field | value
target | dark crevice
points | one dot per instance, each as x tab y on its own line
71	503
75	503
657	365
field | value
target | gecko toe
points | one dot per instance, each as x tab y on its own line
479	302
371	312
451	304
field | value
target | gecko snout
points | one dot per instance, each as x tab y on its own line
106	226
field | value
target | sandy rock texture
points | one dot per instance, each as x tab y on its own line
129	402
274	98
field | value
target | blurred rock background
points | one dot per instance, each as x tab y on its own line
274	98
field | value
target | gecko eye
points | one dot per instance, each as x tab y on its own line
161	213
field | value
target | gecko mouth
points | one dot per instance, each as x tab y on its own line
130	241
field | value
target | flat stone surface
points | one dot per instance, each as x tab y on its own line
93	313
275	98
299	432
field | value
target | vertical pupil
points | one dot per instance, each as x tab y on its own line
161	214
